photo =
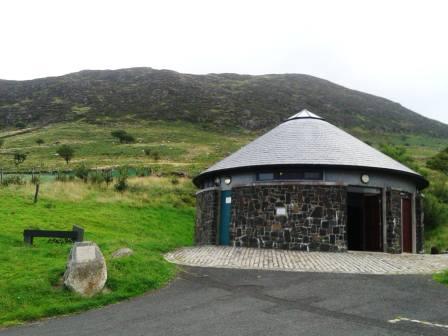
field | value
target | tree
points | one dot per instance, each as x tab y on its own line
40	141
123	136
19	158
66	152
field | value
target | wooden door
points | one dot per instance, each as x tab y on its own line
372	223
406	220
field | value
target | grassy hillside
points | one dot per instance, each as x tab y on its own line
181	146
222	101
152	217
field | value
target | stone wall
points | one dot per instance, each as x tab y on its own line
315	218
207	212
420	227
393	216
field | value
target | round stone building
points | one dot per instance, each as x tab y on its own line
308	185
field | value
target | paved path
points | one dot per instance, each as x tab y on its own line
215	302
297	261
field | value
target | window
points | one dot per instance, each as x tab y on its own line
265	176
291	174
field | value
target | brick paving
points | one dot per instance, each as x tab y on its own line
298	261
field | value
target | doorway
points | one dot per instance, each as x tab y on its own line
364	225
225	214
406	217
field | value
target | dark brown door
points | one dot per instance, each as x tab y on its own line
372	223
406	217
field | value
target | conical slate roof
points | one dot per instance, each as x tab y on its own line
307	139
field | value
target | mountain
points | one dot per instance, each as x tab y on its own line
218	100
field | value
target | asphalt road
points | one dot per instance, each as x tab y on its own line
206	301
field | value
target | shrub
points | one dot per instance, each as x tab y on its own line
96	178
82	172
436	212
174	181
439	161
147	151
66	152
14	179
20	124
40	141
2	142
123	136
19	158
400	154
107	176
62	177
155	156
122	180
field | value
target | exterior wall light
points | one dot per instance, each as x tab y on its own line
365	178
227	180
217	181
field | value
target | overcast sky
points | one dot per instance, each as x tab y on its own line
395	49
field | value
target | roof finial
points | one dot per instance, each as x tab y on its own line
305	114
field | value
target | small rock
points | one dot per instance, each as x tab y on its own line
86	272
123	252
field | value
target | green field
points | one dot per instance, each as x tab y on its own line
181	146
155	215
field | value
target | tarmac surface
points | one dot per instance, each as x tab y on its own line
211	301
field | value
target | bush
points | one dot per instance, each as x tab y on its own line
40	141
107	176
155	156
14	179
123	136
82	172
19	158
436	212
20	125
96	178
62	177
439	162
174	181
122	180
2	142
400	154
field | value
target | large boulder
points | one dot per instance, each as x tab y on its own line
86	272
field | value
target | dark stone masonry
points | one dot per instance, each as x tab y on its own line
297	216
420	227
393	215
206	216
291	216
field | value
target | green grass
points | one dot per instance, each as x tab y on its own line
180	145
141	219
153	217
441	277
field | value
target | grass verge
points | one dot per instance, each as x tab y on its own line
30	281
